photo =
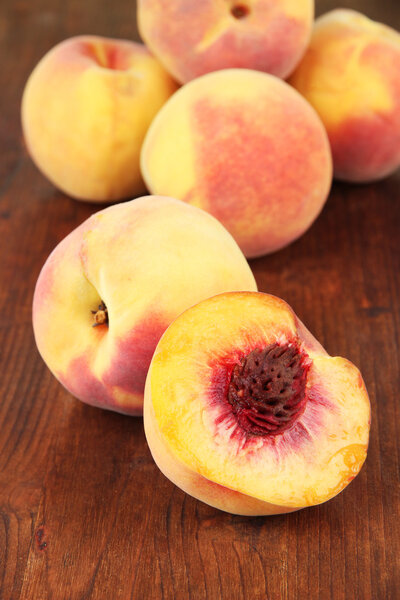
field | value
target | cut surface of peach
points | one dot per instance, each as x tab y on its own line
246	411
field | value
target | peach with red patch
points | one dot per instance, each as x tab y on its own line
233	143
194	38
126	373
85	110
257	418
82	383
350	76
136	266
133	354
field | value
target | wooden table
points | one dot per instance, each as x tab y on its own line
85	513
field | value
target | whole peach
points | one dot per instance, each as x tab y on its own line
246	147
85	110
192	38
351	76
112	286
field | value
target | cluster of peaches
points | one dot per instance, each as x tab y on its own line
150	306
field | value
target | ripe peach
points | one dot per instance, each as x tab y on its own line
350	75
194	38
129	269
85	110
246	147
246	411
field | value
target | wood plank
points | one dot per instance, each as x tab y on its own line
85	513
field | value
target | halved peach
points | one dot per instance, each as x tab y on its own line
246	411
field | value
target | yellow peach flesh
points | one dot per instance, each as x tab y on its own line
305	465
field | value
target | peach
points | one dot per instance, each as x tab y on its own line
194	38
85	110
246	147
350	75
246	411
112	286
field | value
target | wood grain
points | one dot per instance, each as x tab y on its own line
85	514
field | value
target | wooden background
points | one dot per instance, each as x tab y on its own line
84	512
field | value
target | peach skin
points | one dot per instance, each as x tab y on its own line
194	38
85	110
247	148
246	411
112	286
350	74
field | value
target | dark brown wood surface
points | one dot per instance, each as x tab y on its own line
84	511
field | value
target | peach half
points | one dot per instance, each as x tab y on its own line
192	38
247	148
246	411
110	289
85	110
350	74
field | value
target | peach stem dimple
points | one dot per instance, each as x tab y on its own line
106	56
100	315
267	389
240	11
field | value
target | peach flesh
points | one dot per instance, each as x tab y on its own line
247	395
233	447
